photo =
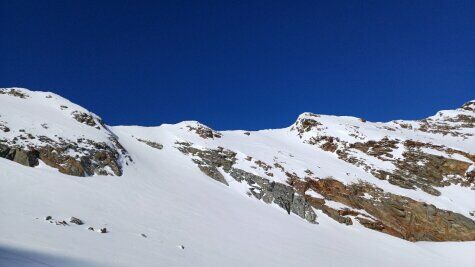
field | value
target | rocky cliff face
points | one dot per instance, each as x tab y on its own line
414	180
45	127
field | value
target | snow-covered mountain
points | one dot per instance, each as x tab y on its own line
325	191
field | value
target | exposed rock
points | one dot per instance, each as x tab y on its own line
75	221
380	149
397	215
284	196
303	209
212	172
103	230
150	143
327	143
13	92
63	223
211	160
469	106
48	218
4	128
97	158
272	192
415	169
263	165
306	122
27	158
84	118
204	132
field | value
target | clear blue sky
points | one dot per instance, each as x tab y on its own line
242	64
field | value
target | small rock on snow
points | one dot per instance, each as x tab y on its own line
75	221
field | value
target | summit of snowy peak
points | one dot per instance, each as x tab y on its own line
310	125
199	129
469	106
44	126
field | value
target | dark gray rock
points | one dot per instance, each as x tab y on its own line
4	151
303	209
213	173
151	143
4	128
271	192
284	196
63	223
76	221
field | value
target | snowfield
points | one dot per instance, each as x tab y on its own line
163	211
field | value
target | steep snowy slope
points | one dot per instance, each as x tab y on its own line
186	195
38	125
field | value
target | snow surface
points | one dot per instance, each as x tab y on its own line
166	197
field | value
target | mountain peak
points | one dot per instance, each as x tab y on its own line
469	106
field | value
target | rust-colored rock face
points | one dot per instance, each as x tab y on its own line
392	214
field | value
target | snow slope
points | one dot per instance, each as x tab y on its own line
164	196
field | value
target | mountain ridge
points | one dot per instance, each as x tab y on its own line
411	180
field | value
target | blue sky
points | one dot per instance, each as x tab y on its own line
242	64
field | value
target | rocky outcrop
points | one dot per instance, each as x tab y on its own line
416	164
150	143
4	128
469	106
273	192
416	168
306	122
13	92
84	118
76	221
81	158
58	142
210	161
396	215
372	207
204	132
